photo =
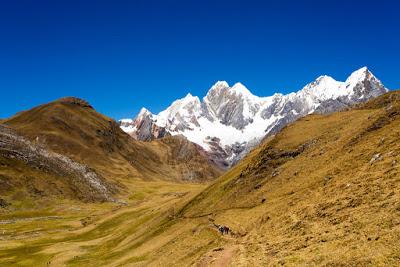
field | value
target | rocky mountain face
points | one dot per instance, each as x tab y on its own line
230	120
67	175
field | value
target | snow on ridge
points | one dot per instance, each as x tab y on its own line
235	116
185	107
241	89
219	84
324	87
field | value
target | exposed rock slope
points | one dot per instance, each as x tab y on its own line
22	161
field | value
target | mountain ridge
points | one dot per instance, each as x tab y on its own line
229	121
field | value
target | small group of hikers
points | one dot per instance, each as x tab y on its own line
223	229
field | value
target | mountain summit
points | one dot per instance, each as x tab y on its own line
230	119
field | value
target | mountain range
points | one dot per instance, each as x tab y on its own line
76	190
229	121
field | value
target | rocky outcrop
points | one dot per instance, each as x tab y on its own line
144	127
75	101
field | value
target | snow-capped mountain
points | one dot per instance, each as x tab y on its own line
230	119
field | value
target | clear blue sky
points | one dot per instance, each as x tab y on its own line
122	55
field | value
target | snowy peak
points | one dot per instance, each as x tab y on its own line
363	85
359	85
323	87
143	112
240	89
219	85
325	80
217	90
232	106
189	98
360	74
181	115
184	106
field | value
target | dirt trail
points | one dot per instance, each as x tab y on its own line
222	256
225	258
219	257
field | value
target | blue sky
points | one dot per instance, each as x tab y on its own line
122	55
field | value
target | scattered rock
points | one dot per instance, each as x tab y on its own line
382	141
75	101
275	173
391	153
120	202
86	221
3	203
375	157
327	179
257	186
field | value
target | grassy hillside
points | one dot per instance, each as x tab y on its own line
27	169
72	127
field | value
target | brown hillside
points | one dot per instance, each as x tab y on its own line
25	165
71	127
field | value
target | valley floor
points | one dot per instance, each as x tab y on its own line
73	234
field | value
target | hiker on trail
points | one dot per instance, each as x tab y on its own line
222	228
226	229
